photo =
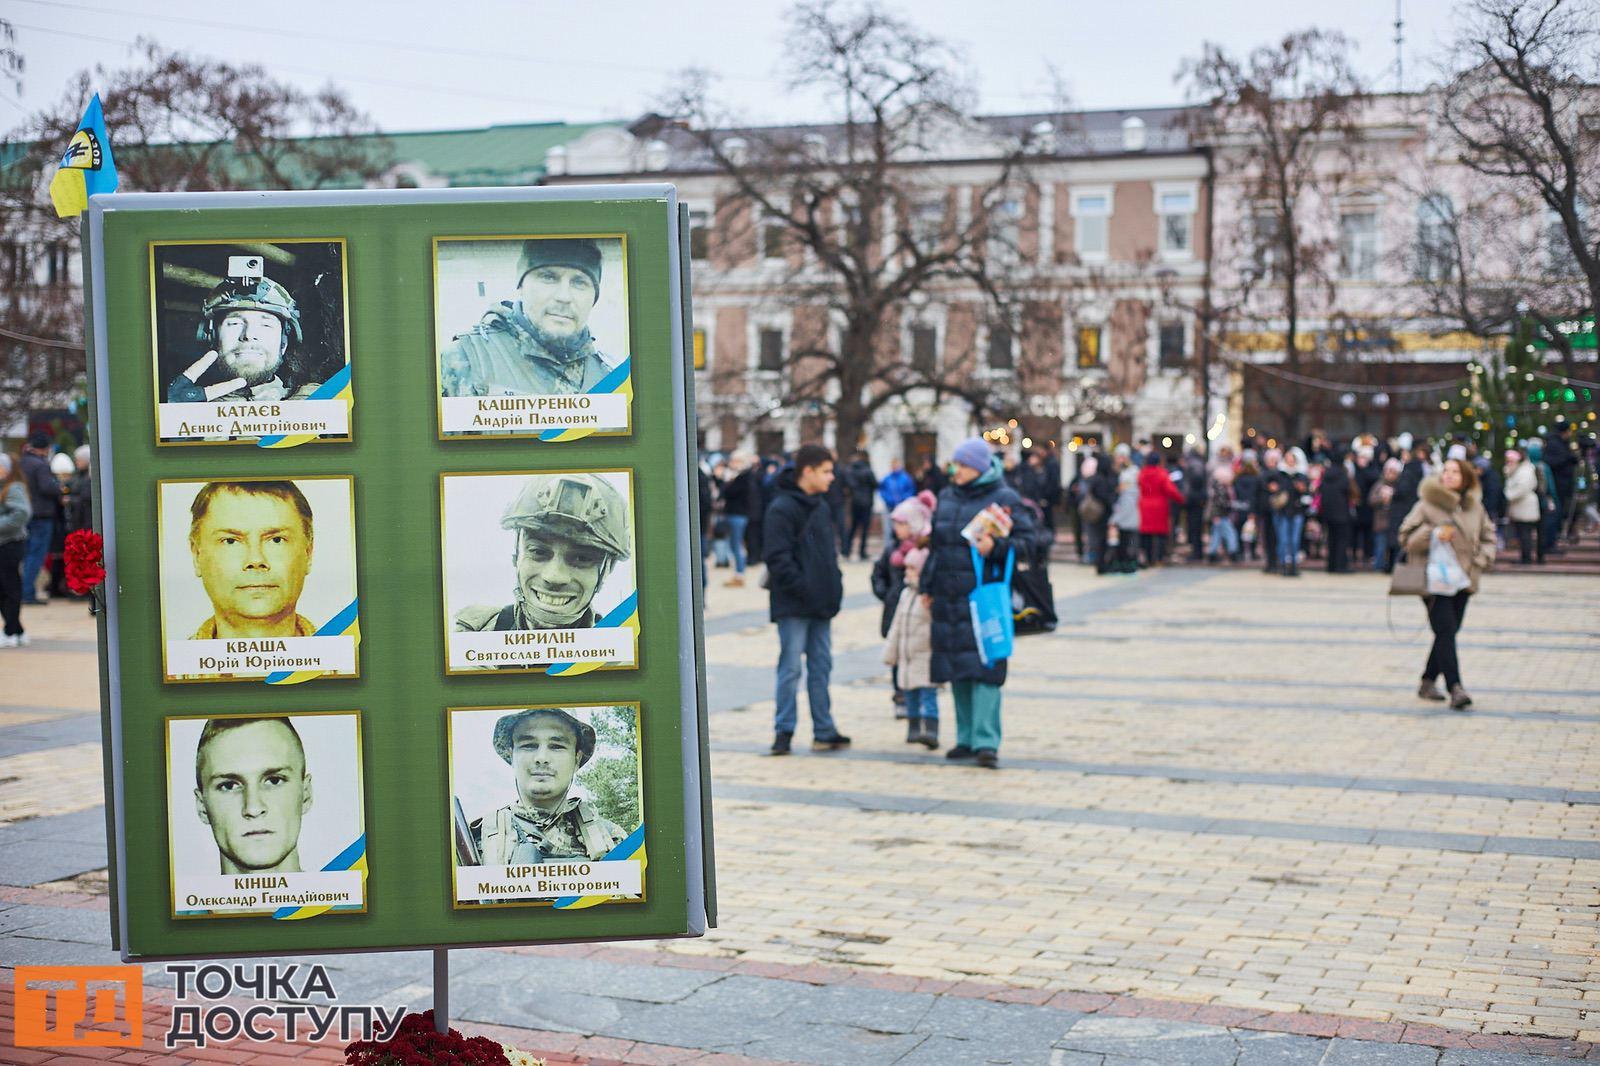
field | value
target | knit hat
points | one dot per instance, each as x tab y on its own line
1457	451
976	453
571	252
915	513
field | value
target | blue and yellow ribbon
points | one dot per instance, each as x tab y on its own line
335	388
345	623
624	614
631	848
618	380
352	858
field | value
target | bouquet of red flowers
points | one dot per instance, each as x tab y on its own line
84	558
418	1044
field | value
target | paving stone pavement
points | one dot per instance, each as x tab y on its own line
1224	831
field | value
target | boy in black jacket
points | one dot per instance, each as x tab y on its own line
804	587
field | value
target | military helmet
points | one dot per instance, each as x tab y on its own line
507	725
581	507
252	294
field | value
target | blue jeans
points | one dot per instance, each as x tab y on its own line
1224	537
977	715
1380	548
40	530
736	527
812	638
1288	528
922	704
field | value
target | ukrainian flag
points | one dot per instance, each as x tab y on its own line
86	166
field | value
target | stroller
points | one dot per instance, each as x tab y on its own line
1033	601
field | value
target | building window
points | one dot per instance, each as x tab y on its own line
1175	213
774	240
1563	261
1005	230
1002	347
60	264
1089	347
1172	346
770	350
849	223
699	349
924	350
1435	259
1265	245
1091	212
699	235
927	224
1358	244
14	264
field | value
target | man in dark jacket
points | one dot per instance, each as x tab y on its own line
1195	491
44	493
1368	473
863	485
1335	512
949	579
804	589
1563	464
1405	494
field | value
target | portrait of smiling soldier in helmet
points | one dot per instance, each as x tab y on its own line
571	531
538	344
548	821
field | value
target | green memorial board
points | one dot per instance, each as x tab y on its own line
402	642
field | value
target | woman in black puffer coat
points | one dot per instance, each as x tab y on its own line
948	578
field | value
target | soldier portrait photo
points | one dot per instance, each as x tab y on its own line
559	555
247	322
528	317
258	795
254	558
543	784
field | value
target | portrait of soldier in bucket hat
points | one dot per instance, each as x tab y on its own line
547	820
539	342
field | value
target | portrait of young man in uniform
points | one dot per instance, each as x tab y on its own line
571	532
539	343
252	788
251	543
547	822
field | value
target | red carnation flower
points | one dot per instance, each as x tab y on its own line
84	557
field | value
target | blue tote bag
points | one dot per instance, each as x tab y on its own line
993	626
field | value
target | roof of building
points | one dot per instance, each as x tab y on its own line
494	155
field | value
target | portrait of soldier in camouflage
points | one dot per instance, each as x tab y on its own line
571	531
539	343
545	748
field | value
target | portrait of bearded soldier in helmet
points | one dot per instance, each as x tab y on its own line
538	344
545	748
571	532
250	327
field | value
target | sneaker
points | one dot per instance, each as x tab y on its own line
834	743
960	751
22	640
989	759
8	641
780	744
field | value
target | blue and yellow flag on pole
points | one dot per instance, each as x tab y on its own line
86	166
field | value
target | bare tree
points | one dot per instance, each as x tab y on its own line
11	61
1524	109
863	240
176	122
1282	124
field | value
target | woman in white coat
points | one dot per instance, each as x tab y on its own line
1522	502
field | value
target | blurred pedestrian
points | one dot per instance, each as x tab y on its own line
949	578
897	485
863	486
44	496
1220	513
1334	510
1522	504
909	523
1246	488
1123	556
1157	496
908	648
1380	498
16	510
805	589
1194	490
1289	496
739	496
1451	507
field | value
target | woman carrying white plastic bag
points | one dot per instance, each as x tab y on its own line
1450	527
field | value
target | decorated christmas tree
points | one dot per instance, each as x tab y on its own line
1518	395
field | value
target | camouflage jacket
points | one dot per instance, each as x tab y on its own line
500	356
577	832
481	618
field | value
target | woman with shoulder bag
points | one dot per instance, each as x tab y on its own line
1449	506
15	511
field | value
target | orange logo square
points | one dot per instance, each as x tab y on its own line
79	1006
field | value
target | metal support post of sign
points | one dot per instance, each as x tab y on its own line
441	990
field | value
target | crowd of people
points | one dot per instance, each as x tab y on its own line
1338	502
45	493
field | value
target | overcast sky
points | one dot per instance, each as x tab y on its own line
423	64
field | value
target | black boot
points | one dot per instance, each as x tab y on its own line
914	731
781	744
929	738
